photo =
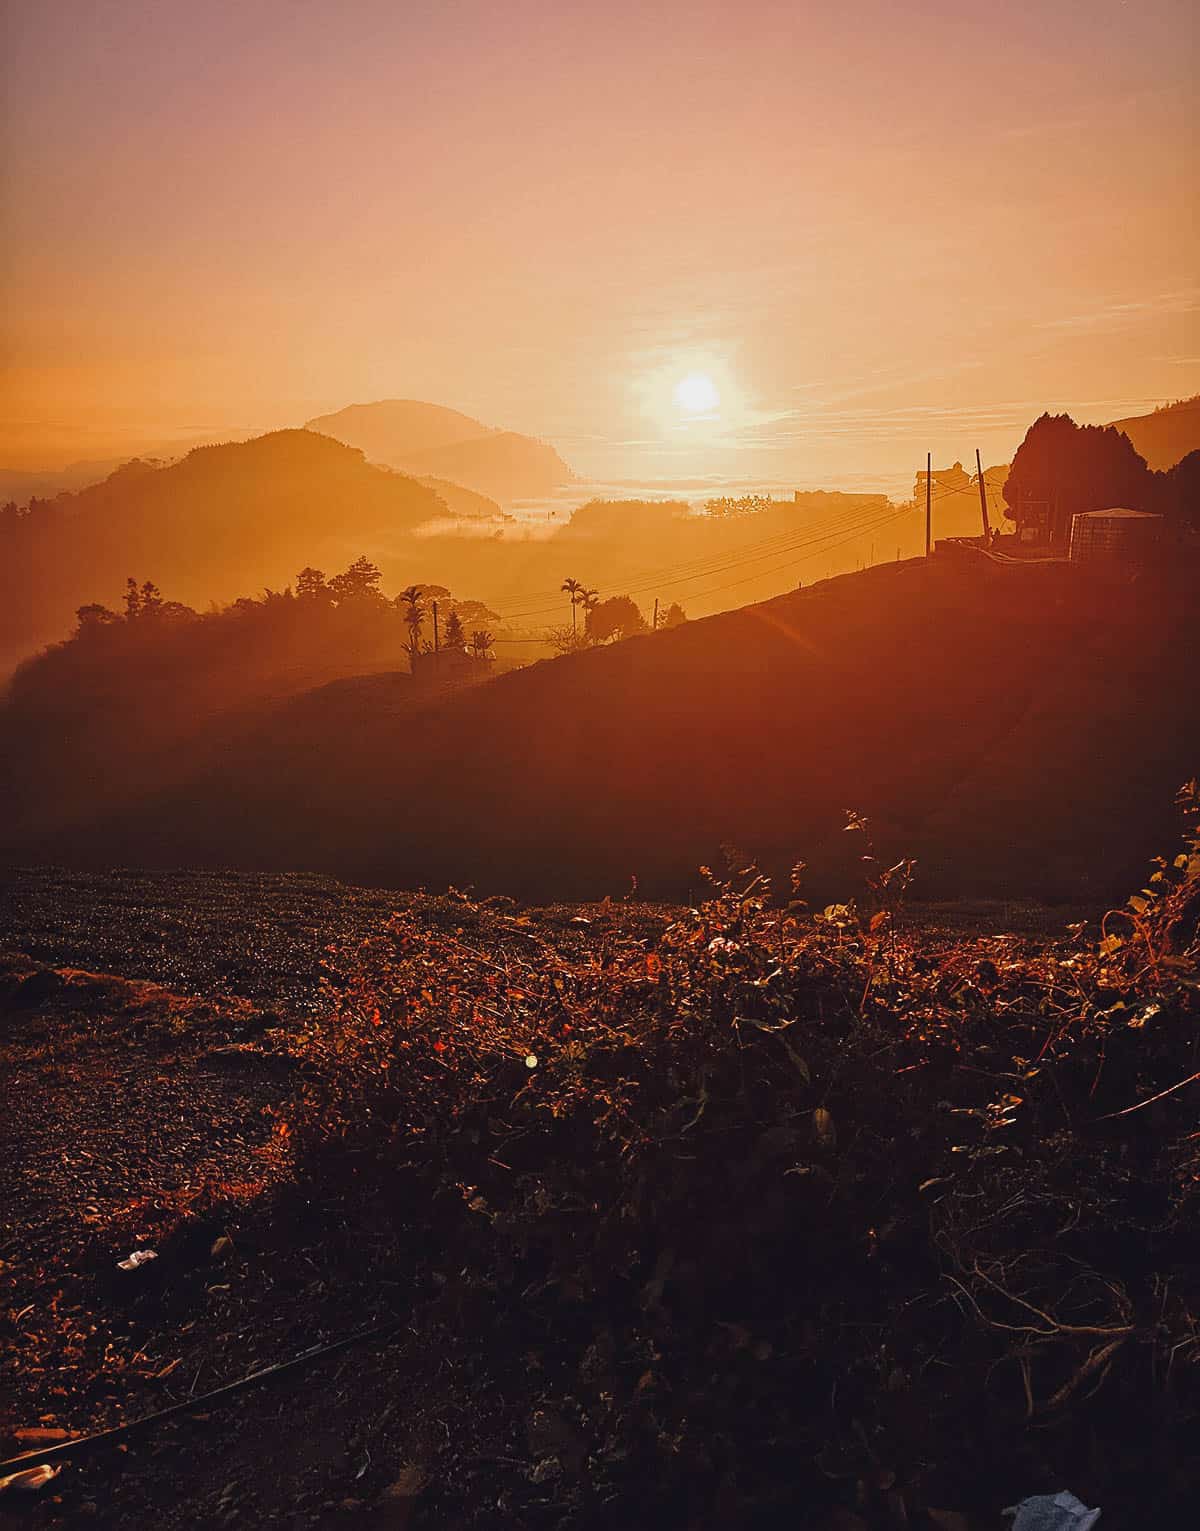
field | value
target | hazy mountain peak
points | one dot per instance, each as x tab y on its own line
431	440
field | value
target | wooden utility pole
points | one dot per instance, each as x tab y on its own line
987	530
928	503
654	628
435	628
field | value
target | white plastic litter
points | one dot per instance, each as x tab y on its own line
1052	1512
29	1481
138	1257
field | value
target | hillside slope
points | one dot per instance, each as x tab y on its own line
1166	436
223	519
460	502
988	718
426	439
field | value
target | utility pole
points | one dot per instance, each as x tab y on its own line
928	503
987	530
654	628
435	629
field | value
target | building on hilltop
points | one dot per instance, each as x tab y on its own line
954	495
946	481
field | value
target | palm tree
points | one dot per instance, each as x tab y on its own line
414	617
481	642
589	600
575	590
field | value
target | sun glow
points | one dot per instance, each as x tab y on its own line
692	405
697	394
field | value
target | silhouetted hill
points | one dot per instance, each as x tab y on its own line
425	439
20	484
986	717
222	520
1166	436
460	501
23	484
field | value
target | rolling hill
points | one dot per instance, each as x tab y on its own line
425	439
460	502
1166	436
219	521
22	484
982	715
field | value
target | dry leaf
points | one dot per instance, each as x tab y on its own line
822	1121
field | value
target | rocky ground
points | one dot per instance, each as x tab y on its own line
250	936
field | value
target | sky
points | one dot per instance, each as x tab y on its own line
874	228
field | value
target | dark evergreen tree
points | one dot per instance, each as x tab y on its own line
1062	468
310	585
454	638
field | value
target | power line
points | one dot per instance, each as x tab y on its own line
647	576
704	558
858	529
734	557
853	523
805	558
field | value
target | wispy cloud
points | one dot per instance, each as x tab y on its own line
1117	316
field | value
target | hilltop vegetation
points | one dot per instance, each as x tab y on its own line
247	515
224	519
108	714
984	716
1062	468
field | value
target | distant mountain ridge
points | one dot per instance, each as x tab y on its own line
428	439
1167	435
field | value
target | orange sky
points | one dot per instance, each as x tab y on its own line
879	226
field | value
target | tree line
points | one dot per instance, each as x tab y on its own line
1062	469
355	596
606	621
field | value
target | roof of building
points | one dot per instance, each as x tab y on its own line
1118	510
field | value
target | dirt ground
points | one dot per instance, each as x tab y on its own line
141	1092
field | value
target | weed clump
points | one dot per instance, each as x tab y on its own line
753	1205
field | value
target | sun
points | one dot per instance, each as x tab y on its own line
697	394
